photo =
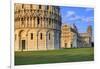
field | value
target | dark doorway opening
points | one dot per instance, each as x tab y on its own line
92	44
71	45
65	45
23	45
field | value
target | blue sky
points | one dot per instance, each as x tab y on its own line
80	16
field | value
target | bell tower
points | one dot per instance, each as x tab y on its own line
89	30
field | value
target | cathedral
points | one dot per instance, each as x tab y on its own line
72	38
37	27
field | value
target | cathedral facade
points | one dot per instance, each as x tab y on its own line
71	38
37	27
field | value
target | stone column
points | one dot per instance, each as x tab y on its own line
19	43
41	22
46	40
27	41
36	22
33	22
20	22
37	41
16	43
29	22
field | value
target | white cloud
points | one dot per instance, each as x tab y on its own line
72	16
75	17
70	13
88	19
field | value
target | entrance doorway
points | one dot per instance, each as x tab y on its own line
71	45
23	45
65	45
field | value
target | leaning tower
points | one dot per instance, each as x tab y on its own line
89	31
37	27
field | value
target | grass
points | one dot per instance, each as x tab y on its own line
54	56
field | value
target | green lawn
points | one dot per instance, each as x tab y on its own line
54	56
